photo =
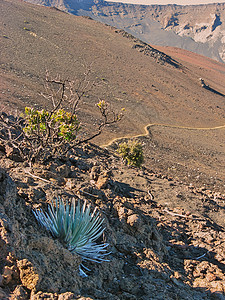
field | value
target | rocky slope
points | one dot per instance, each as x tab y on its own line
202	23
165	222
199	28
159	250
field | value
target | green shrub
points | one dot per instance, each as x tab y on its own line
58	124
132	153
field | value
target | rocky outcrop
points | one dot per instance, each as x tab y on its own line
36	266
157	252
198	28
207	28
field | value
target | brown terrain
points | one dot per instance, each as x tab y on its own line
164	222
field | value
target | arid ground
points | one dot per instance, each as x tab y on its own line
180	123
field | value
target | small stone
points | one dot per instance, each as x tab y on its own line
43	296
19	293
28	275
66	296
210	277
7	274
28	180
13	153
92	182
134	221
102	182
209	239
196	273
218	286
63	170
71	183
95	172
36	194
219	257
177	275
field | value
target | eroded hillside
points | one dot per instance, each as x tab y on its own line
154	89
198	28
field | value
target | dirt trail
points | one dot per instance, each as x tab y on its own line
146	129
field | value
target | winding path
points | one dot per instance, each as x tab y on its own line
146	128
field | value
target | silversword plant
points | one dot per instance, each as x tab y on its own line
77	228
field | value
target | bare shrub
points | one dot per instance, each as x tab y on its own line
40	134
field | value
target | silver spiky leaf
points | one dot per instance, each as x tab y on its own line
76	227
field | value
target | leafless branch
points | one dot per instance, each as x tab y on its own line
178	215
37	177
34	142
